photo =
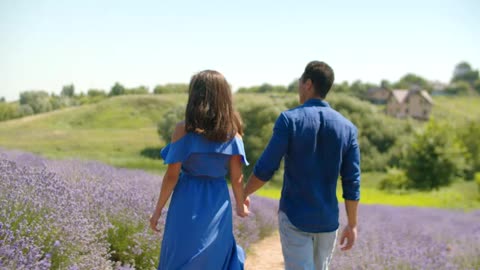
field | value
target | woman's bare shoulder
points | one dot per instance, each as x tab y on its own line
179	131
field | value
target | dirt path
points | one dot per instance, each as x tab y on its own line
266	254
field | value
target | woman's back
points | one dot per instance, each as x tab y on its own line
202	157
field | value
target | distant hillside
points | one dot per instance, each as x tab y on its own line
114	131
120	130
457	108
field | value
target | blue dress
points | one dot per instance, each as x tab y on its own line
198	231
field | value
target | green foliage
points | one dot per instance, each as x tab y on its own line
378	134
258	120
359	89
460	195
166	126
469	136
68	91
385	84
394	179
458	88
477	180
25	110
39	101
464	72
265	88
96	93
60	102
171	88
435	157
476	86
129	247
8	111
342	88
117	90
293	86
411	80
140	90
457	109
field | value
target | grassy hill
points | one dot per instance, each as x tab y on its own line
456	108
114	131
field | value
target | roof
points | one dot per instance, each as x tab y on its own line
426	96
401	94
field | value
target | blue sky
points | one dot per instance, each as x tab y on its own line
92	44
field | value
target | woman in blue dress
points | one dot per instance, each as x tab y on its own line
205	147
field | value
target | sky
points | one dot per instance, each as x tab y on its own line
45	44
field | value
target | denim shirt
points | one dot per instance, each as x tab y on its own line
318	144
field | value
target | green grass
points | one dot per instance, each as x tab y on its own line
460	195
114	131
456	108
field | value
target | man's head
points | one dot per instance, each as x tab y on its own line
316	81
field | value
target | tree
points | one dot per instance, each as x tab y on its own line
259	121
386	84
39	101
458	88
341	88
171	88
166	126
464	72
468	135
25	110
435	157
411	80
476	86
360	89
264	88
140	90
60	102
252	89
68	91
7	111
293	86
117	90
2	99
96	93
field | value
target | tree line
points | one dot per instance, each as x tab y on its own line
40	101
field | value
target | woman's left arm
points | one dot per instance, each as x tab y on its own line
236	177
169	182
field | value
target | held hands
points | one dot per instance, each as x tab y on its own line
154	221
349	233
242	209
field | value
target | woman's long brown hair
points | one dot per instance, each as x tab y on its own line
210	110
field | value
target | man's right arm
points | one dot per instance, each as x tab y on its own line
270	159
350	173
350	170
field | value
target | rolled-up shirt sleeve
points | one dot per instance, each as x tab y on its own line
350	170
270	159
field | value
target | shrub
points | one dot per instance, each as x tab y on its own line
394	179
477	180
166	126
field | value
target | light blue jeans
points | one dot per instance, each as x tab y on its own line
303	250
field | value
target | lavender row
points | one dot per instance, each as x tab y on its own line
86	215
413	238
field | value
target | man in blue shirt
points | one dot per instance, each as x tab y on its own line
318	144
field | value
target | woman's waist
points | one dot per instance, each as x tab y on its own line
201	177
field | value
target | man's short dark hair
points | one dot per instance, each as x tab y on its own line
321	76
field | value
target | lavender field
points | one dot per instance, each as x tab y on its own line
86	215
